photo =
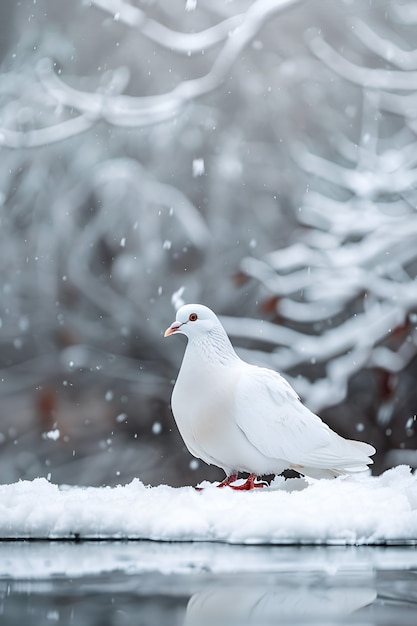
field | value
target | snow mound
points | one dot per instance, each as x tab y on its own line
346	510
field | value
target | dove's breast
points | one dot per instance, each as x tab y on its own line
202	404
204	408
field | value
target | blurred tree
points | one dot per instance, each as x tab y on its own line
7	13
149	146
347	286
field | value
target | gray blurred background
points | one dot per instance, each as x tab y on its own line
258	156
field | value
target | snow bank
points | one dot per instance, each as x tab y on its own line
347	510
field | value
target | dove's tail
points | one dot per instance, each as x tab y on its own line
316	472
360	460
355	460
365	448
360	464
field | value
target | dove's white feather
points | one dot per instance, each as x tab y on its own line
282	427
245	418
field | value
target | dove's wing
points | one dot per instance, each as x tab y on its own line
275	421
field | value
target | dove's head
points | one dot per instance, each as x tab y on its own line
193	320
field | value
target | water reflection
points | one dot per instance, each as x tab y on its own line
288	601
205	584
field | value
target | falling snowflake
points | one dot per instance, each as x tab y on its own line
52	434
156	428
176	298
198	167
190	5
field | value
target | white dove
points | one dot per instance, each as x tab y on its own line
245	418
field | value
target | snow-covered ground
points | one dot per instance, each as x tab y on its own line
347	510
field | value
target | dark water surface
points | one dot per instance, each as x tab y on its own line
147	583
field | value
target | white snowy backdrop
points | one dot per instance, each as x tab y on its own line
259	153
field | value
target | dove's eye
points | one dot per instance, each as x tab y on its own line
193	317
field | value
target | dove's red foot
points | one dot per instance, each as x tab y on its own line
225	483
229	479
249	484
246	486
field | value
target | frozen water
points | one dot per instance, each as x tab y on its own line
205	583
41	560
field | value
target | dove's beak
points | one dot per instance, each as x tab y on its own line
171	330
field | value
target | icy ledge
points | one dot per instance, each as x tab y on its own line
347	510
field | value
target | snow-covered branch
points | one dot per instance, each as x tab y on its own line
370	78
345	291
116	108
384	47
404	13
180	42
